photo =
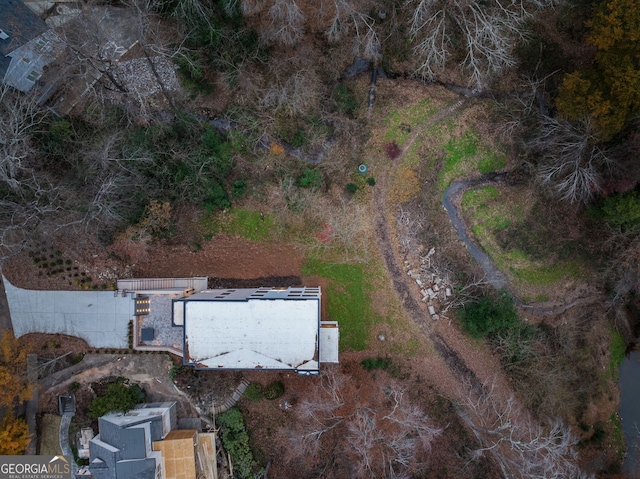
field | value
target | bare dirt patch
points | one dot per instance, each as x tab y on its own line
223	256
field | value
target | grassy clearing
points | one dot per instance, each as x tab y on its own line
519	237
249	224
465	156
491	161
402	121
548	275
348	300
49	435
412	157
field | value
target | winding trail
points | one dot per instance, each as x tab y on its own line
404	288
452	196
463	370
495	277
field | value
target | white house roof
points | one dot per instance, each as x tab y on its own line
247	329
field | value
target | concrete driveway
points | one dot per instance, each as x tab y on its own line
99	317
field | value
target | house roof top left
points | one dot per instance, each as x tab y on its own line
20	25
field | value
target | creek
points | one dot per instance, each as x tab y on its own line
630	410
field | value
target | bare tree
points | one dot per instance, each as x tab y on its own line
363	436
390	445
287	23
521	446
571	161
28	196
20	117
348	20
295	94
486	33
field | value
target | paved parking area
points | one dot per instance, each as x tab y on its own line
99	317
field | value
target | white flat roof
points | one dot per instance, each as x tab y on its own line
257	333
329	339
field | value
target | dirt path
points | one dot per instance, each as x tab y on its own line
151	370
454	350
477	373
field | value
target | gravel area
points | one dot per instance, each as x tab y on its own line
159	318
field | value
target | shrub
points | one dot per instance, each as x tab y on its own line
351	188
346	101
371	181
274	390
393	150
310	179
76	358
175	370
490	316
253	392
120	397
621	210
376	363
238	188
236	442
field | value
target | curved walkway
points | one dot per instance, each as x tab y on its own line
231	400
452	195
495	277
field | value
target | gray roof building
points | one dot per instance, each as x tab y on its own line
123	448
27	46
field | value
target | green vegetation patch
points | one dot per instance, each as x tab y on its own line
371	364
490	316
253	392
348	300
621	210
235	440
119	397
274	390
617	350
250	224
521	237
346	100
618	436
465	155
491	161
457	151
402	121
548	274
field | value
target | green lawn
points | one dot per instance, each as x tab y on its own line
348	300
402	121
466	156
247	223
